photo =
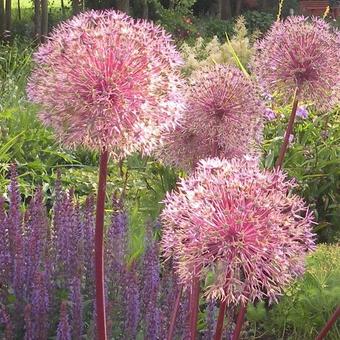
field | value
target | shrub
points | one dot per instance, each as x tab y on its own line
308	303
216	51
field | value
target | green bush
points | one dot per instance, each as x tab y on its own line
258	21
313	159
307	304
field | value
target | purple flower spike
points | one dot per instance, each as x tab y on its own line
64	331
76	309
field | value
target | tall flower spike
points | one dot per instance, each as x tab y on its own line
106	80
242	223
223	118
300	53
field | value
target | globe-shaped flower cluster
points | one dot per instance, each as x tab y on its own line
240	224
223	117
300	54
105	80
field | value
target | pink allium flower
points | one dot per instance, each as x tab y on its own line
106	80
300	53
223	117
241	224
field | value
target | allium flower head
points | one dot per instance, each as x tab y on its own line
243	224
223	118
300	53
104	79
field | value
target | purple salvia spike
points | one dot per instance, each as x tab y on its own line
132	304
89	221
28	323
16	245
36	231
182	322
210	320
40	307
150	288
8	326
63	331
5	258
77	309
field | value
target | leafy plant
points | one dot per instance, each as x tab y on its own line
308	303
235	51
313	159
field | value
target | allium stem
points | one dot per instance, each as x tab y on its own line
99	247
239	322
193	305
289	130
220	320
174	313
329	324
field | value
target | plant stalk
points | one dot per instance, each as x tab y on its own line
99	247
322	335
289	130
239	322
194	304
220	321
174	313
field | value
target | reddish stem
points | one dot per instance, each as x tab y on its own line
289	130
220	320
239	322
194	304
329	324
99	247
174	313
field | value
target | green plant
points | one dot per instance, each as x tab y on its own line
236	50
307	305
313	159
258	21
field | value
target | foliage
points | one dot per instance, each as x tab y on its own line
204	53
313	159
258	21
306	304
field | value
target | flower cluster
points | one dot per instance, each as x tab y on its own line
303	54
105	80
242	223
223	117
43	260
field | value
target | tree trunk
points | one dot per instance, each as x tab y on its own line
238	7
123	5
19	10
37	19
8	15
225	9
144	9
76	7
2	18
44	19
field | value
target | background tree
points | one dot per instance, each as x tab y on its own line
2	17
8	15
